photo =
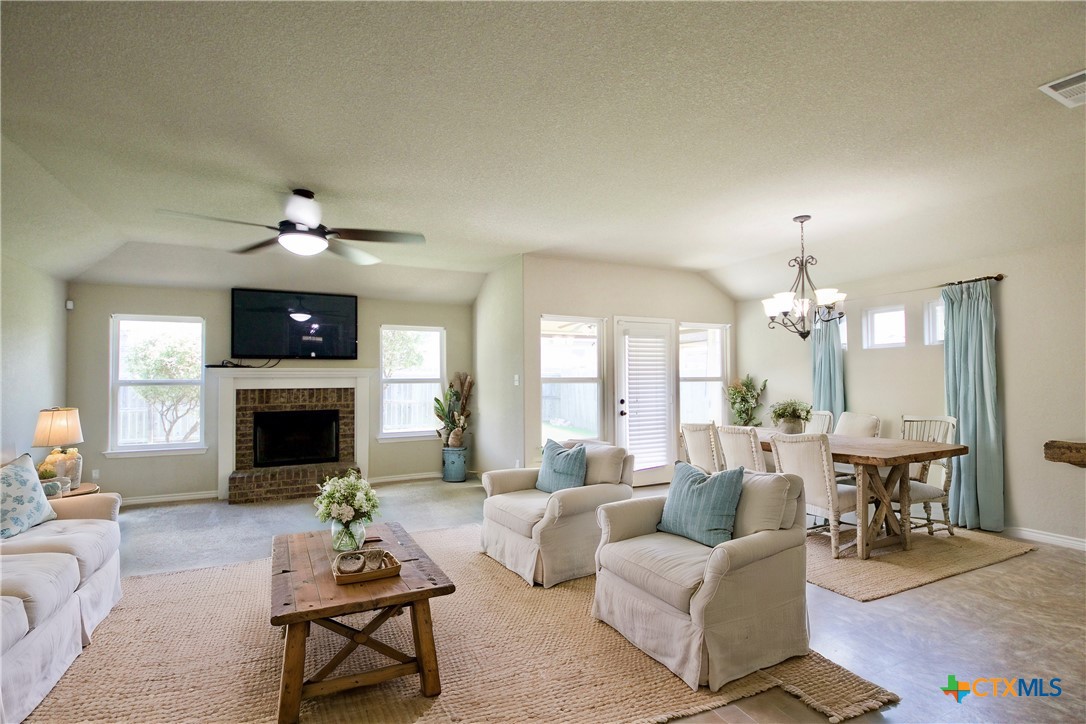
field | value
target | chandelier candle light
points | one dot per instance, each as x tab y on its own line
794	310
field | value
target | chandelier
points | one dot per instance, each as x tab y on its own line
794	310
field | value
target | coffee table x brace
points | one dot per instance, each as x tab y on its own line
304	591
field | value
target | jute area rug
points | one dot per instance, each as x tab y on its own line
196	646
890	570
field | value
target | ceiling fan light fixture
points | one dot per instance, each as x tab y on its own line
303	242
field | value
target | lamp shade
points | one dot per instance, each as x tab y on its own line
57	427
303	243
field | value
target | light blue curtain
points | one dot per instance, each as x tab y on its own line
969	358
829	372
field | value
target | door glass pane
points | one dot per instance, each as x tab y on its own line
571	410
409	406
701	402
699	352
569	348
648	431
154	414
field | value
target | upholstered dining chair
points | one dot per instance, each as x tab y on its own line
821	421
808	456
929	429
855	424
740	446
700	446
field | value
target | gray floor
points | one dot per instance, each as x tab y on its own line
1025	617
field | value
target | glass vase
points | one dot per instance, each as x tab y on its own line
348	536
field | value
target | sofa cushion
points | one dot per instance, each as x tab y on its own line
603	461
43	582
668	566
562	467
700	506
15	624
762	506
22	499
518	511
91	542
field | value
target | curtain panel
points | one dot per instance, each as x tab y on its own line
828	383
969	359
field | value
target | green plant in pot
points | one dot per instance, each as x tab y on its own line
743	399
789	415
453	412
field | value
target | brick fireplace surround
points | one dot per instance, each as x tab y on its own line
249	484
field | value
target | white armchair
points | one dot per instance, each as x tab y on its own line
548	538
711	615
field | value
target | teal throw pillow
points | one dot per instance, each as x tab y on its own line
22	499
561	468
700	506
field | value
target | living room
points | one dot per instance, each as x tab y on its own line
547	153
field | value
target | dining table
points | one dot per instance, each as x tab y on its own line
881	465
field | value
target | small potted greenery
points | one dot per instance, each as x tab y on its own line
789	416
743	399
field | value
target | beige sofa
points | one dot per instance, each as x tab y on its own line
711	615
548	538
58	581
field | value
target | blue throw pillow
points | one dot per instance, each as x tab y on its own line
701	507
22	499
561	468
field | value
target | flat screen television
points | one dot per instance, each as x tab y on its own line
269	324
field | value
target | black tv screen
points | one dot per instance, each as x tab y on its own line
268	324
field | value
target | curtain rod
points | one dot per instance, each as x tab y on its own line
997	277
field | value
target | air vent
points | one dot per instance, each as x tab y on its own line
1070	91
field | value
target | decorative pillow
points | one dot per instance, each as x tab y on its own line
561	468
764	505
22	499
701	507
604	461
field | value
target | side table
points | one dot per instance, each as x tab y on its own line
84	489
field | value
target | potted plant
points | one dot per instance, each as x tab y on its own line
789	415
454	413
743	398
349	502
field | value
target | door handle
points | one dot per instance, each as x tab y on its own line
622	413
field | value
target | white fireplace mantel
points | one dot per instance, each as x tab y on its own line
225	381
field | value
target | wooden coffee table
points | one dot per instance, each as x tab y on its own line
304	591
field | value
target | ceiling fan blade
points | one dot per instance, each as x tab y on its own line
215	218
257	245
351	254
398	237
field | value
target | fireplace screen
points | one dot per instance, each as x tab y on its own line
295	438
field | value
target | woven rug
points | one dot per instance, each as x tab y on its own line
892	570
196	646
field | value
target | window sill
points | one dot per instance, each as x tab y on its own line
408	437
154	452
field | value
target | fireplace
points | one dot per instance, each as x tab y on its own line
295	437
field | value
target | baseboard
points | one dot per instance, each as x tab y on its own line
172	498
1040	536
403	478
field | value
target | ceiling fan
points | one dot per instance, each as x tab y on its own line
302	232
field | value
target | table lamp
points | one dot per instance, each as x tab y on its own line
58	427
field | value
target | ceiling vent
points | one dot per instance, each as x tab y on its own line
1070	91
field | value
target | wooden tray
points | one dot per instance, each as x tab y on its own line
389	567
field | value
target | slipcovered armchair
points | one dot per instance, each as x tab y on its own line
709	614
548	538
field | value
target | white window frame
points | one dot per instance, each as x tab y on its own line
600	380
442	382
724	372
934	310
869	327
842	328
115	449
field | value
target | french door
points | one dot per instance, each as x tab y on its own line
645	396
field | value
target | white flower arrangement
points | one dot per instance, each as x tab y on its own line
346	498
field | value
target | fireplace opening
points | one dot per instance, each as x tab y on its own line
295	437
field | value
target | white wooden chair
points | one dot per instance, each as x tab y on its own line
700	446
821	421
929	429
740	446
855	424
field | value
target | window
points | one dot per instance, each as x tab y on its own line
701	373
842	325
157	383
884	327
934	322
412	374
570	357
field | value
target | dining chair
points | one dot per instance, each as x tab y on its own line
855	424
739	445
700	446
821	421
808	456
929	429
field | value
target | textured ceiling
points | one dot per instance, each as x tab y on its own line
678	134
